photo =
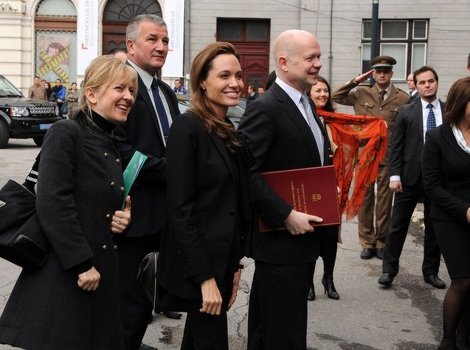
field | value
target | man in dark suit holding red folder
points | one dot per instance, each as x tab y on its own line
282	131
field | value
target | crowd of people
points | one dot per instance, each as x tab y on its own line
201	190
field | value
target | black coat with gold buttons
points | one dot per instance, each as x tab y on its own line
80	187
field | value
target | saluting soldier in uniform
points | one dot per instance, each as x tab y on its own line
383	100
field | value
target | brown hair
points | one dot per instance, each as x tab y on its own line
422	70
329	104
201	106
457	100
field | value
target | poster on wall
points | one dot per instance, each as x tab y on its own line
55	56
174	18
87	32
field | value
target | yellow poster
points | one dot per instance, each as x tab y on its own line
53	58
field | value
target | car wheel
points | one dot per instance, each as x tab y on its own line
38	140
4	135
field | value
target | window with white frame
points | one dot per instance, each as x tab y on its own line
403	39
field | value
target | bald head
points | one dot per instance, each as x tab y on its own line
297	55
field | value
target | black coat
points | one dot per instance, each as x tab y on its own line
206	210
406	146
141	132
446	175
79	189
279	138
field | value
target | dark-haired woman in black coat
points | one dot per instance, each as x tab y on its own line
446	177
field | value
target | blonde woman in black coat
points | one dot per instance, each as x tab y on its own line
201	252
72	301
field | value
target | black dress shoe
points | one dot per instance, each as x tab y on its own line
146	347
380	253
434	281
171	314
311	293
368	253
386	279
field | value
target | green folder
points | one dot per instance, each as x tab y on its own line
132	171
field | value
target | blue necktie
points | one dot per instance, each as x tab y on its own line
317	134
160	109
431	122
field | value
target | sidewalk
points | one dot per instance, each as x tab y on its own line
405	317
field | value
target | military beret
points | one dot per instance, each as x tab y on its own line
382	62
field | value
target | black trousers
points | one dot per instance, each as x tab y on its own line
277	315
136	309
207	332
405	203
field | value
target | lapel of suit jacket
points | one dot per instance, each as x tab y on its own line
143	92
448	136
222	149
417	112
391	96
290	109
165	93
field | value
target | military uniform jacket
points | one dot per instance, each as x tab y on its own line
79	189
365	101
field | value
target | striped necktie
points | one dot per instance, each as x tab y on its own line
317	134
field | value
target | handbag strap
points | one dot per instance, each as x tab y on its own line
32	177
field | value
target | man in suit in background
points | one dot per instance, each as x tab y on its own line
146	131
281	131
406	150
252	94
410	81
383	100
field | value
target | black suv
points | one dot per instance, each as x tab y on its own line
23	118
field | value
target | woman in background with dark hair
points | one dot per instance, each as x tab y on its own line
446	177
320	94
199	256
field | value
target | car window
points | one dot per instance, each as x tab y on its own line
7	89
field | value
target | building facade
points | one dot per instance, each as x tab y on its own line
39	37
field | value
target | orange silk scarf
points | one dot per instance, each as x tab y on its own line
362	143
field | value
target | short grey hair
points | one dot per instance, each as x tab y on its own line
132	31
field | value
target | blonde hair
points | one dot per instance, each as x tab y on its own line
103	71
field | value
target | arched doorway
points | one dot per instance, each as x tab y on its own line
56	40
117	14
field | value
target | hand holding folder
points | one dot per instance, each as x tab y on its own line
308	190
132	171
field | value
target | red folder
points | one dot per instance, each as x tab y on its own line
309	190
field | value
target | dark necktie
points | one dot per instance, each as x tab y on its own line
160	109
317	134
382	95
431	122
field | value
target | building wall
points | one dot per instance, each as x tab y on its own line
448	36
447	51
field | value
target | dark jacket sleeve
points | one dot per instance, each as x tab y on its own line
433	180
258	133
182	166
55	203
397	143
